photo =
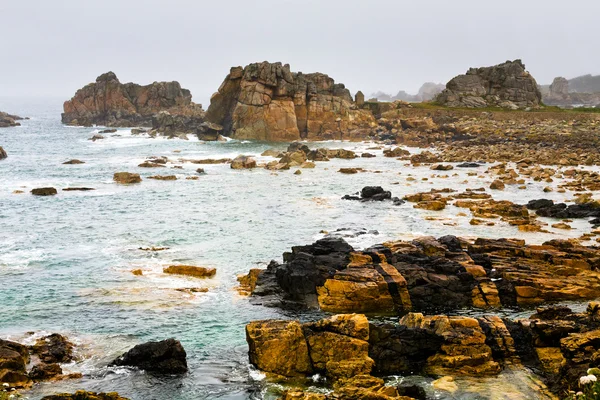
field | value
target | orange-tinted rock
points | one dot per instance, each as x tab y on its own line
126	178
190	270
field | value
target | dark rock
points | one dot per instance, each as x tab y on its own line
3	154
469	165
96	137
47	191
413	391
42	372
108	131
298	146
80	189
73	161
54	348
373	193
83	395
165	357
538	204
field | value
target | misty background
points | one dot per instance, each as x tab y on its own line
52	48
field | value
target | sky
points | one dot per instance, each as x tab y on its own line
52	48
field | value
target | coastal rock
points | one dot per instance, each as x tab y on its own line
54	348
190	270
165	357
243	162
14	358
43	372
126	178
163	177
83	395
374	193
46	191
8	120
108	102
266	101
3	154
177	125
73	162
506	85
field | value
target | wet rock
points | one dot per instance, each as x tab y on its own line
83	395
43	372
367	155
497	185
77	189
441	167
243	162
54	348
469	165
349	170
432	205
47	191
3	154
14	358
150	164
126	178
108	131
165	357
190	270
373	193
96	137
73	161
163	177
396	152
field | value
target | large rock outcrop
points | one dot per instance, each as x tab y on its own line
8	120
560	94
429	274
506	85
112	103
266	101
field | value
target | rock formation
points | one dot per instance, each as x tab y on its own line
109	102
8	120
426	92
506	85
266	101
429	274
559	94
166	357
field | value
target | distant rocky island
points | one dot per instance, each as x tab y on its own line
426	93
8	120
580	91
109	102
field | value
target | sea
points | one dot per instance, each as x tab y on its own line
66	260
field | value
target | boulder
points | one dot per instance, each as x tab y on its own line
506	85
243	162
54	348
164	357
43	372
110	103
126	178
266	101
190	270
46	191
3	154
14	358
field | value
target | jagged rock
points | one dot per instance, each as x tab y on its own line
83	395
429	273
165	357
46	191
266	101
3	154
8	120
190	270
506	85
108	102
126	178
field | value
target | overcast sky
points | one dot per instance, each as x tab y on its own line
52	48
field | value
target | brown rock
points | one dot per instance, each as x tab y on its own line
243	162
497	185
126	178
73	161
83	395
190	270
163	177
47	191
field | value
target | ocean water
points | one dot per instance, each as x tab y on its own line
66	260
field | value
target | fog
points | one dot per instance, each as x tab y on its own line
52	48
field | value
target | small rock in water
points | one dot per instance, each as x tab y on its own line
3	154
96	137
166	357
497	185
190	270
82	189
112	130
243	162
73	161
469	165
126	178
47	191
163	177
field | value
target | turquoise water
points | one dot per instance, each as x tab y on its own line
66	260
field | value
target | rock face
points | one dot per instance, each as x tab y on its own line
429	274
337	347
109	102
266	101
8	120
165	357
506	85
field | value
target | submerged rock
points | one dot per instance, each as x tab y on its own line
126	178
165	357
47	191
83	395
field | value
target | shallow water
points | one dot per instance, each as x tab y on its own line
66	260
